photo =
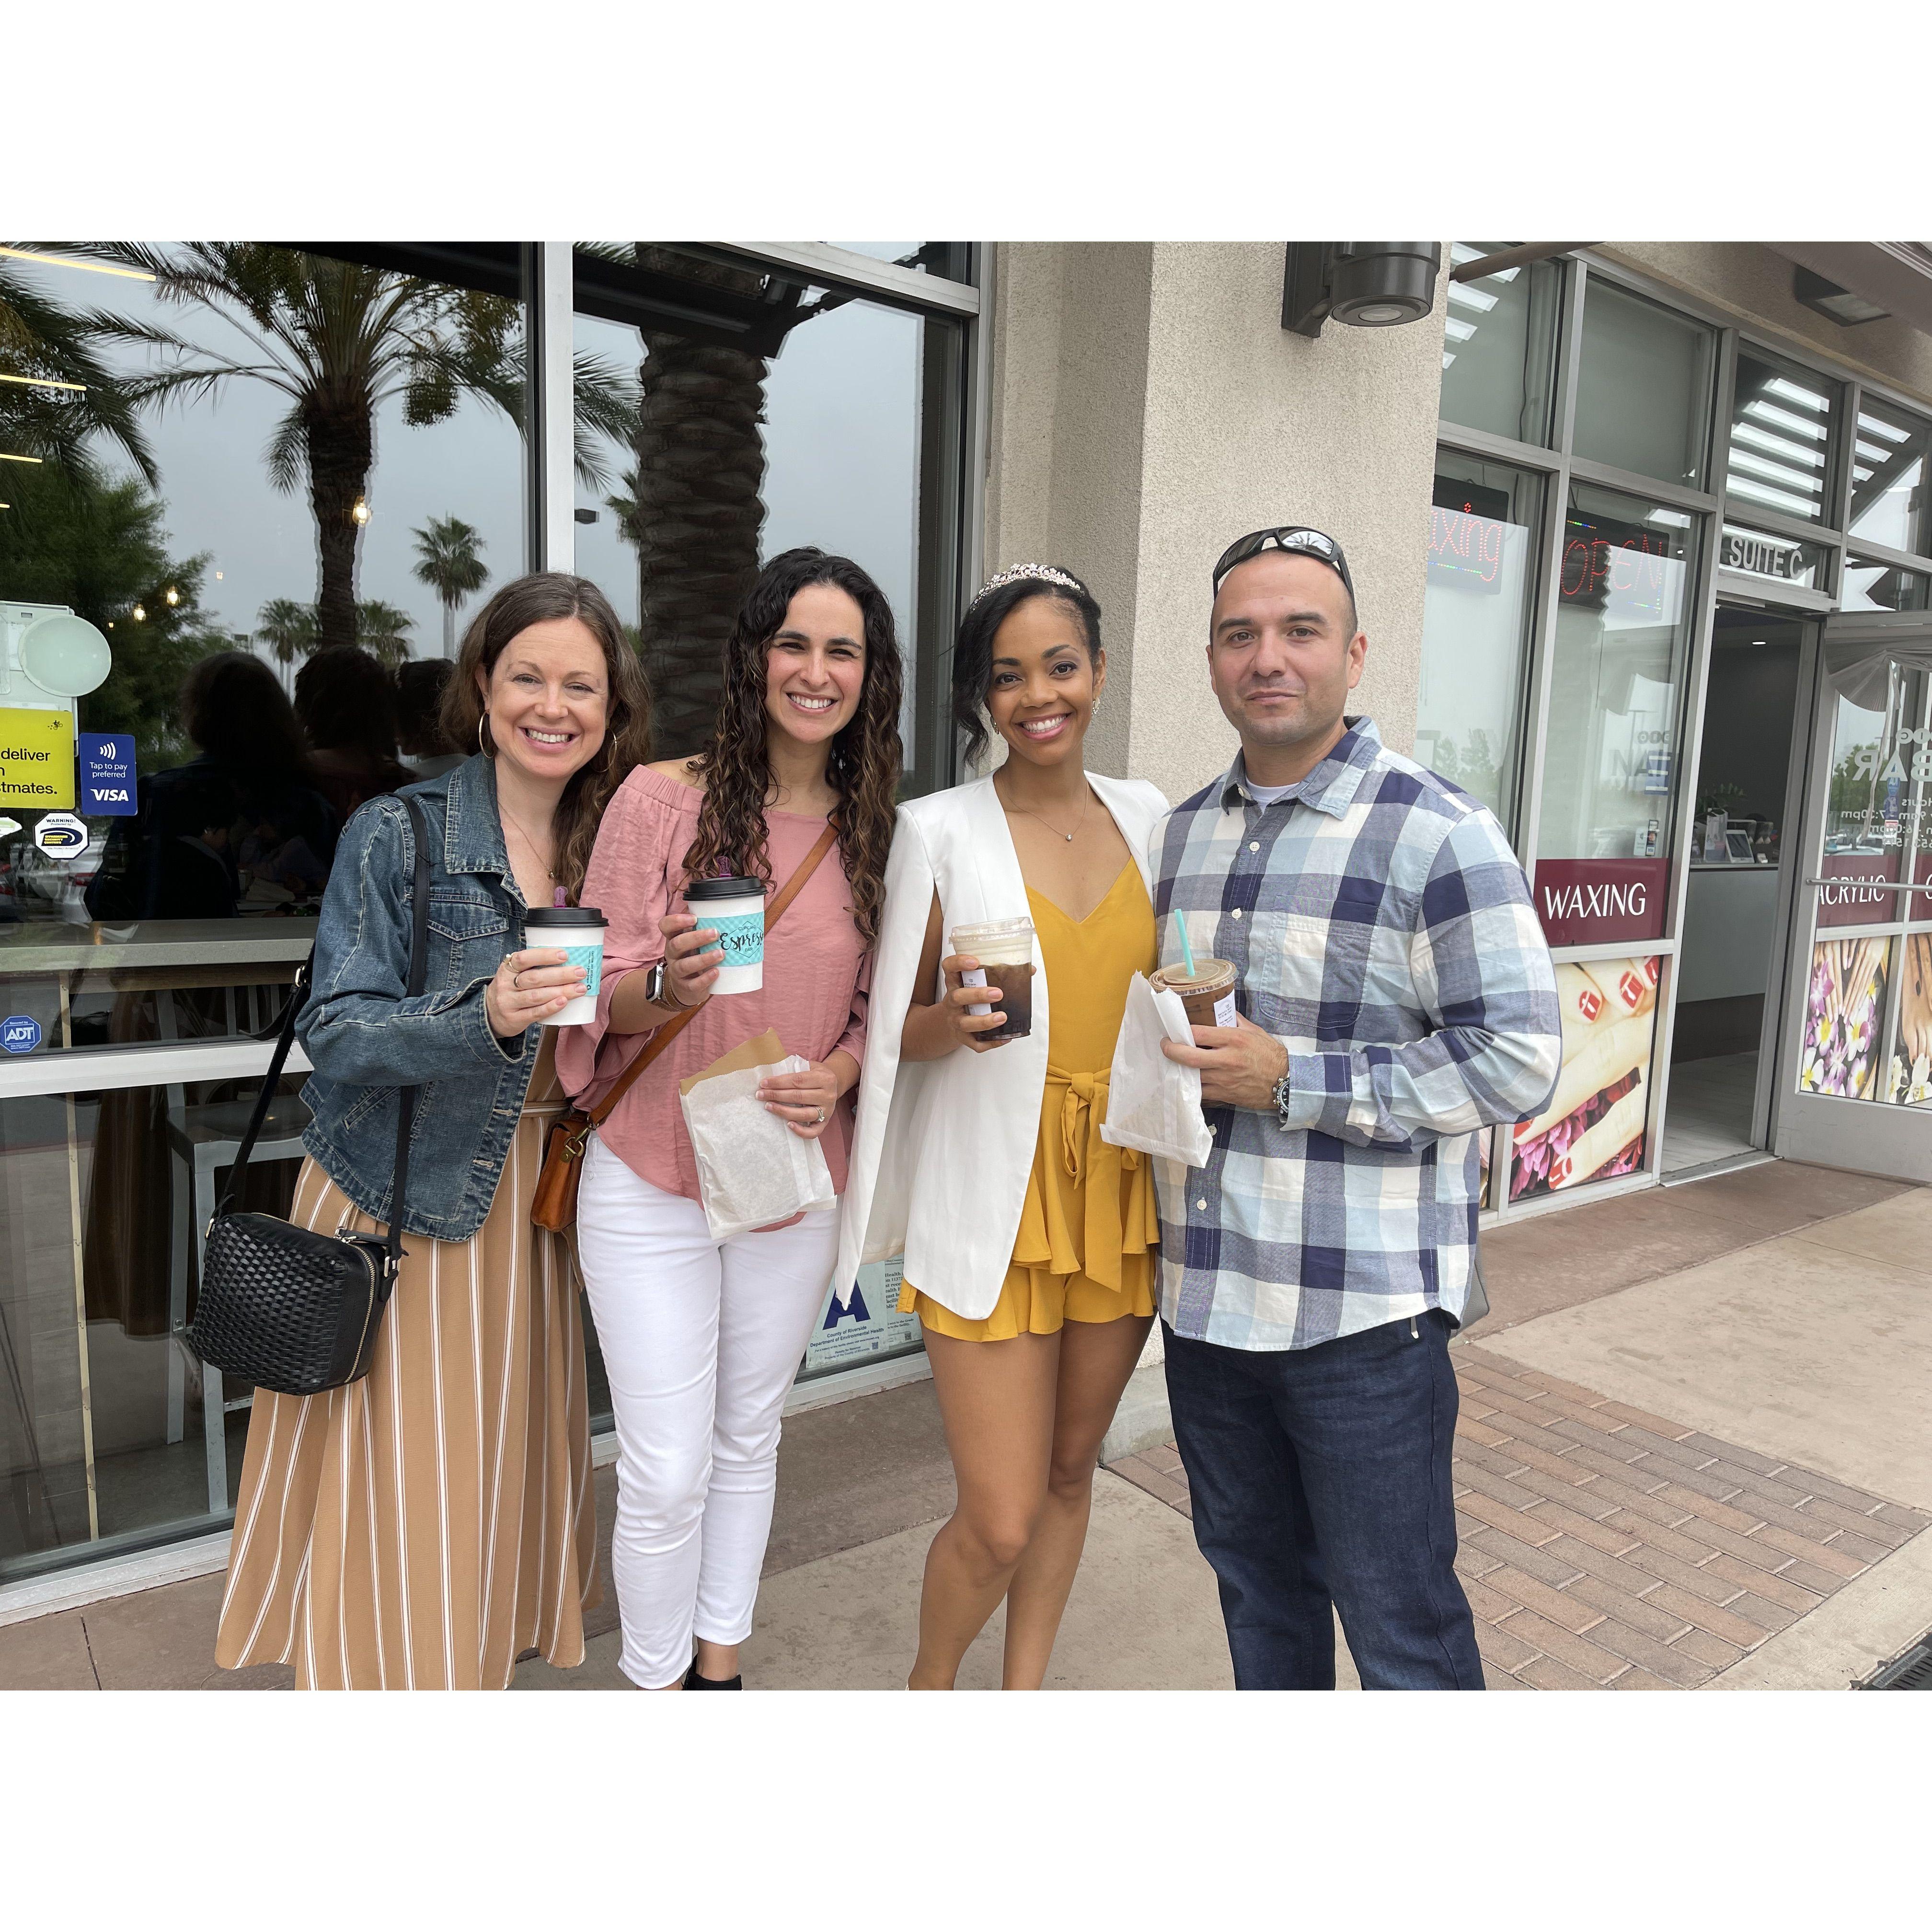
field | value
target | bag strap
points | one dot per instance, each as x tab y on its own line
298	999
285	1040
418	980
671	1028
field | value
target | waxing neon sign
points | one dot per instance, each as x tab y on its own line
1465	547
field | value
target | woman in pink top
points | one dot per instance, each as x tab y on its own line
701	1338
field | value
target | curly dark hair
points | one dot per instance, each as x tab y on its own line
533	599
973	648
863	768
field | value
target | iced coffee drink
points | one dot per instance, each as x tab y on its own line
1003	947
1208	992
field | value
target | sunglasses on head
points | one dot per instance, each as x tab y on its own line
1296	541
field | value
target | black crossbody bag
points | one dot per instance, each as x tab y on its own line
290	1308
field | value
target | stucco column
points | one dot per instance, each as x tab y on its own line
1149	408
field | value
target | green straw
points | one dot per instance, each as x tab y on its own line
1187	951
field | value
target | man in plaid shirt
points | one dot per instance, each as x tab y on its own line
1395	998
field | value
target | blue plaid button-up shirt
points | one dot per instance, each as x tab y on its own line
1382	930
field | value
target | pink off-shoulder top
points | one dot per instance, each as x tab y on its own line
817	973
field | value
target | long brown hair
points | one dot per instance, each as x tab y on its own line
535	599
862	768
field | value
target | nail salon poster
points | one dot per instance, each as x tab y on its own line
1593	1129
870	1328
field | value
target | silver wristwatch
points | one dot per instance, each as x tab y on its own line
1278	1093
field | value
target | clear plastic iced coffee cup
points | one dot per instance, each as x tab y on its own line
1208	992
1004	949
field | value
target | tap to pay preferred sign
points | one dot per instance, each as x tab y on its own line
37	758
107	774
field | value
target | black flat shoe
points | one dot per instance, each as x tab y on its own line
692	1682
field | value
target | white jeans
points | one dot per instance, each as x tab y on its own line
701	1340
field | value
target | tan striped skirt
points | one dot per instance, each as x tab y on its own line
420	1528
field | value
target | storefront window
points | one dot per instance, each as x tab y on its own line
1643	387
1476	617
111	1432
1780	560
261	491
763	412
218	554
1782	419
1499	350
1623	627
1882	586
1875	783
1889	496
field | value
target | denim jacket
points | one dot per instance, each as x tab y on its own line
365	1039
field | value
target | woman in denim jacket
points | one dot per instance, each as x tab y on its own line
426	1526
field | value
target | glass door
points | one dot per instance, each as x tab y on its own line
1856	1071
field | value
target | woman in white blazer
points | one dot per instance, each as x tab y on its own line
1030	1244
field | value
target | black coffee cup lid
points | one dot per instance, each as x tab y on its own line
564	915
724	888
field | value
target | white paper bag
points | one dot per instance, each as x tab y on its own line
752	1169
1153	1103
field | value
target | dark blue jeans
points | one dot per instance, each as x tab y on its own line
1320	1477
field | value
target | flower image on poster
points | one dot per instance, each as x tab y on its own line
1911	1084
1844	1004
1593	1129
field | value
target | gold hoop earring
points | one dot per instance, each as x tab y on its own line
487	750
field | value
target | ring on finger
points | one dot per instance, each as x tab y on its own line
821	1121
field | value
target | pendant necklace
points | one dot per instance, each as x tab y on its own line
535	853
1069	836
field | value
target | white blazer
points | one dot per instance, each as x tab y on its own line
942	1149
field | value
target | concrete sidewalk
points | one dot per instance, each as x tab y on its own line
1692	1452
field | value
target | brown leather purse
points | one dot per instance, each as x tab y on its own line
553	1205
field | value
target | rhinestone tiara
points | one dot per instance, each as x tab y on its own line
1044	572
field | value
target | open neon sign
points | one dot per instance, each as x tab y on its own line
1634	567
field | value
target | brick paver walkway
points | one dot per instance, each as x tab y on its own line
1604	1548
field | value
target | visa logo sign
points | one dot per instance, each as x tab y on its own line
107	774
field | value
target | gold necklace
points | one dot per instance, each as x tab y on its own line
536	853
1069	836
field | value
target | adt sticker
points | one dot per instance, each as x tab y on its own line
61	835
20	1033
107	774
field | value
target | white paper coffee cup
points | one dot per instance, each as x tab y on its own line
578	932
735	909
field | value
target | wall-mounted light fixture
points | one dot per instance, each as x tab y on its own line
359	511
1363	284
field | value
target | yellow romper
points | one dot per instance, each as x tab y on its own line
1089	1235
